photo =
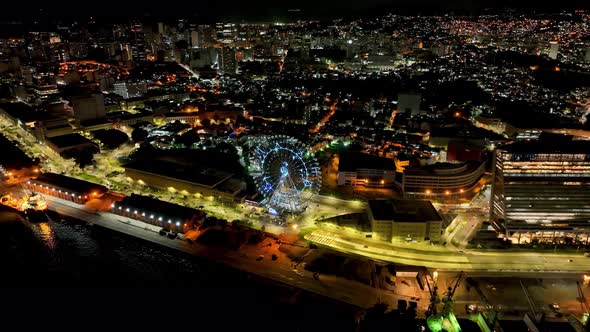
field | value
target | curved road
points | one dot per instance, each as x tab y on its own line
532	262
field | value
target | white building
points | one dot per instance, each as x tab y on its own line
553	49
405	220
130	89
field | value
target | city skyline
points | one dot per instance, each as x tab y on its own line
337	166
266	10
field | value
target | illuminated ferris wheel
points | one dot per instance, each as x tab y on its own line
285	171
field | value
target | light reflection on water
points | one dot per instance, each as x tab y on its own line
71	252
45	234
73	255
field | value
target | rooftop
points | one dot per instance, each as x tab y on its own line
443	169
25	112
549	143
190	173
66	182
466	131
68	140
155	205
403	210
351	161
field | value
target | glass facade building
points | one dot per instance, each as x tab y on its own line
541	190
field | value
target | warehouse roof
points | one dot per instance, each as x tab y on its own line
351	161
66	182
144	203
403	210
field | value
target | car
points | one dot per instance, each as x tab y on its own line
163	232
471	308
554	306
587	254
570	260
461	252
259	258
172	235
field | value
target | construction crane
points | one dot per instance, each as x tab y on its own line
537	314
445	320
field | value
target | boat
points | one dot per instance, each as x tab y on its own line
34	206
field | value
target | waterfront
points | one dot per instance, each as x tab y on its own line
94	266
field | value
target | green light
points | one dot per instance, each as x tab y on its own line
435	323
454	324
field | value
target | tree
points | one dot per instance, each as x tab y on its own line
139	134
227	148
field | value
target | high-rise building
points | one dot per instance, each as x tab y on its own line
195	40
203	57
130	89
541	189
88	107
553	49
409	103
227	61
137	41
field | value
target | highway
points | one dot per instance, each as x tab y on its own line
333	287
448	260
463	228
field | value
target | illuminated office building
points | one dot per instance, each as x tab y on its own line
541	189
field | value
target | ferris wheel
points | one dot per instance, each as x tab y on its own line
285	171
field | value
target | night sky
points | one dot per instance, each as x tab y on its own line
260	9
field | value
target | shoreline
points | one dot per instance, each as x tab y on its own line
335	288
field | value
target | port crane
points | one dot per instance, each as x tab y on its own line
444	320
489	317
585	307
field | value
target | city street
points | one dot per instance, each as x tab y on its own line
108	171
463	228
443	259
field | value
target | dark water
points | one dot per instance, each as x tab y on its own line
87	271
